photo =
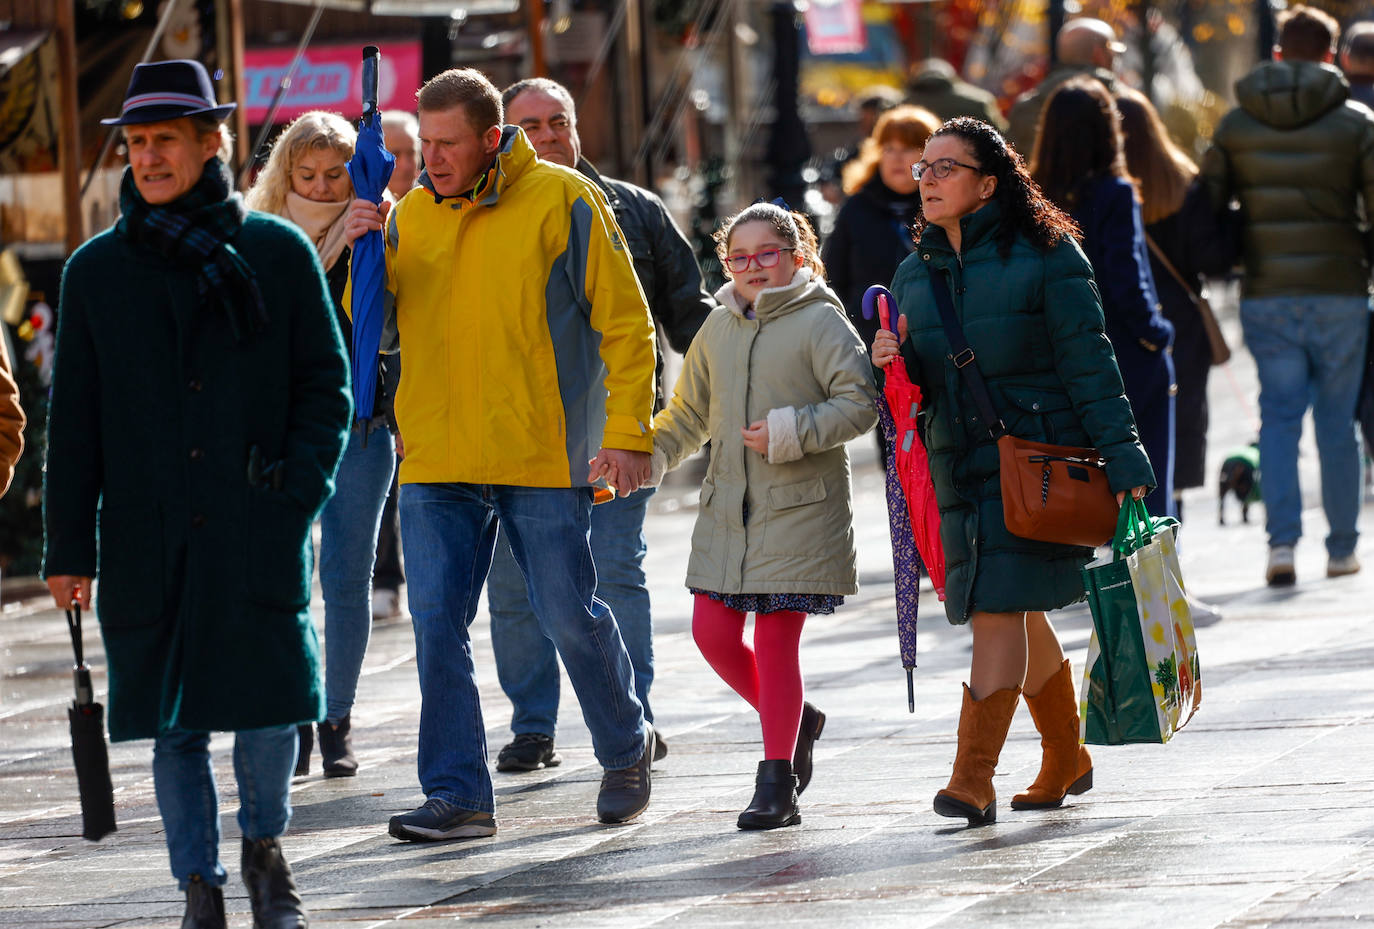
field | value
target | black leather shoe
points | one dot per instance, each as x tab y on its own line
305	736
204	906
271	887
625	791
812	722
528	751
775	798
336	748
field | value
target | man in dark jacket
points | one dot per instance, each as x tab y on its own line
1299	156
935	86
526	662
199	409
1357	61
1083	46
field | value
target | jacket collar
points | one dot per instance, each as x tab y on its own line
773	302
976	228
588	170
514	155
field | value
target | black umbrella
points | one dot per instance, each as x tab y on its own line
88	745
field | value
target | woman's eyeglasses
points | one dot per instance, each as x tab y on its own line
941	168
768	258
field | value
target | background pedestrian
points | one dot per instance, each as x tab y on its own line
306	181
1080	164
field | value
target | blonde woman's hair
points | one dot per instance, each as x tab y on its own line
1161	168
312	131
791	226
911	125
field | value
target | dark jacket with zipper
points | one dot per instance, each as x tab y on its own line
1299	156
872	236
1035	324
203	577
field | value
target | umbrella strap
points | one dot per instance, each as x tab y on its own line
962	356
74	627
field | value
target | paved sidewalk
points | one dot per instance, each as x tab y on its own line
1260	813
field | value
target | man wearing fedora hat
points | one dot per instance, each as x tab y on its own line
199	409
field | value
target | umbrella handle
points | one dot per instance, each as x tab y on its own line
372	57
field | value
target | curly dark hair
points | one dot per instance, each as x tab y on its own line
1078	140
1025	210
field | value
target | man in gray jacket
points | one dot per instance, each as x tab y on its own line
1299	156
526	663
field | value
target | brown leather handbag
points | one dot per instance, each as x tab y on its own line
1050	493
1216	340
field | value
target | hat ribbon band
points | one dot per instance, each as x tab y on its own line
166	99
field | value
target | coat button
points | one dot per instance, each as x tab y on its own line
194	385
197	521
1035	405
925	256
197	454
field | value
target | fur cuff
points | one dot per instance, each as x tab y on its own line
784	444
658	466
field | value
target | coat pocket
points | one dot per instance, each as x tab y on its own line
1041	415
279	561
130	593
799	521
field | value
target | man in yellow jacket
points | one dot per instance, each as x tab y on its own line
528	376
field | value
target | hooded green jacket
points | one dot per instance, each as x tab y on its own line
1299	156
1034	321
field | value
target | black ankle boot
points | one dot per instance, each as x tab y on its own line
306	737
204	906
336	748
812	724
271	888
775	798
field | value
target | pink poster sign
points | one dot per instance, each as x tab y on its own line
329	78
835	27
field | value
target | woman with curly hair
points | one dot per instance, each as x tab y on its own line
1080	164
306	181
1023	293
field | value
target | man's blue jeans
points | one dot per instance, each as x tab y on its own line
526	661
448	532
348	547
184	782
1309	352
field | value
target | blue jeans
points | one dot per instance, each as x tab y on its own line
185	785
526	661
448	532
348	546
1310	352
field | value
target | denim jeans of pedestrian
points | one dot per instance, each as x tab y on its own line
184	782
348	546
449	531
387	573
526	661
1309	352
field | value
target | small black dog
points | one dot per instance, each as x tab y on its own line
1240	475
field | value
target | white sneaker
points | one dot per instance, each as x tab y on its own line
386	604
1280	572
1340	567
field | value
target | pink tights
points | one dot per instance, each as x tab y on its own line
767	675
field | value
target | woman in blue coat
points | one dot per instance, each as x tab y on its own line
1080	164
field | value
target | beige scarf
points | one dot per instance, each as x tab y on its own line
322	223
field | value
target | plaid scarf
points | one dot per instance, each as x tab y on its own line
195	230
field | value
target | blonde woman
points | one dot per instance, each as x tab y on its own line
307	182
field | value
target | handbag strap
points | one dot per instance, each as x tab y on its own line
1169	266
963	356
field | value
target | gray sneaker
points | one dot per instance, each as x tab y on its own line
438	820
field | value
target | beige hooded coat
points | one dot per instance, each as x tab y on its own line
800	365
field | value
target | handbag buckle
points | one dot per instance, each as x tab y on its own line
963	359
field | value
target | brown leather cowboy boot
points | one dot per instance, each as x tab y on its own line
983	726
1065	766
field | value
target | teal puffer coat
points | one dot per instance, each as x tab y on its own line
1034	320
1298	154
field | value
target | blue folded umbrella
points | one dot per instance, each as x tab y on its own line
370	168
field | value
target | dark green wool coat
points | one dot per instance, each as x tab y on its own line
203	580
1034	320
